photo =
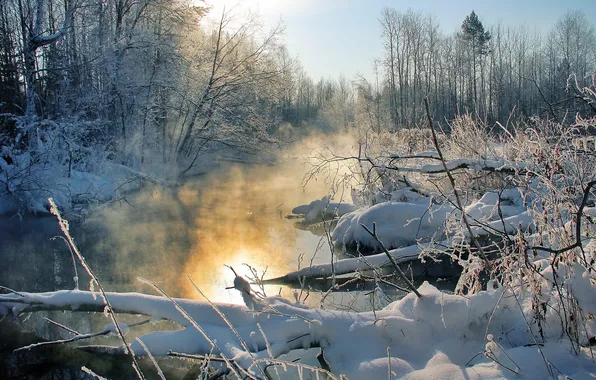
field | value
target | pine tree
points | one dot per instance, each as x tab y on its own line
473	31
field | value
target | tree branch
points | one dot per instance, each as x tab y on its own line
455	192
401	274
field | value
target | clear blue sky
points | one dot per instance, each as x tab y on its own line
333	37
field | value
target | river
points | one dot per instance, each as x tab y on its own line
231	217
234	217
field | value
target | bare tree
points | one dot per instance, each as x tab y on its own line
239	69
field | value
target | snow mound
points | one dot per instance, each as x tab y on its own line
398	224
509	202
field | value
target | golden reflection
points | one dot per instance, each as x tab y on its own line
240	221
231	217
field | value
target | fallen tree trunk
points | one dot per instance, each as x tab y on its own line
435	260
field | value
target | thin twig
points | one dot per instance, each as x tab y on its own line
92	374
548	367
501	364
494	312
12	291
397	268
508	357
159	371
74	262
389	363
474	357
301	365
76	338
62	326
198	357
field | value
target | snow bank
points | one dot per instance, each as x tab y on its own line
79	187
433	337
411	218
398	224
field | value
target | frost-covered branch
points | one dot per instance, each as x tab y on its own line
578	243
108	307
111	329
460	205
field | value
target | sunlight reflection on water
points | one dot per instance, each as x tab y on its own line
233	217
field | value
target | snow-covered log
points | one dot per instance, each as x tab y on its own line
351	265
434	336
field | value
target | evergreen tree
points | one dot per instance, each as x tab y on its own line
473	31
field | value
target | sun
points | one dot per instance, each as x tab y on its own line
226	275
237	261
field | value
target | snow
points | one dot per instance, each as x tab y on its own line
487	207
398	224
582	288
411	218
514	329
79	188
492	334
432	337
30	180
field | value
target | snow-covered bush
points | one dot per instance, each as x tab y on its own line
67	161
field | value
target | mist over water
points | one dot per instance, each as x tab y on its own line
232	216
240	218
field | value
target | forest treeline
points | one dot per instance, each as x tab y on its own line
153	81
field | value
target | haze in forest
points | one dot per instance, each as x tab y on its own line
98	99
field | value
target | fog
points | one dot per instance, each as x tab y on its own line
233	216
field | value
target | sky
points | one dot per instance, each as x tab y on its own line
333	37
